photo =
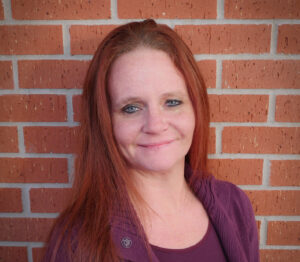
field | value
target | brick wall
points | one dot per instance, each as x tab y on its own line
249	53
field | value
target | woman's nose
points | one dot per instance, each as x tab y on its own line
155	121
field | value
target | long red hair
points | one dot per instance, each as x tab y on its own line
102	181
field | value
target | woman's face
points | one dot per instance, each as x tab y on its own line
153	117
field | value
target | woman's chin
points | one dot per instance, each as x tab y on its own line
161	166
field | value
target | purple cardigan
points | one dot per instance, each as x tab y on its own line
230	212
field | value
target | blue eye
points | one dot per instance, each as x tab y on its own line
173	102
130	109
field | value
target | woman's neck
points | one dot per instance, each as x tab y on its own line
165	193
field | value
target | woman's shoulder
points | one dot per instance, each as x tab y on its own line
228	196
209	188
60	242
226	188
216	194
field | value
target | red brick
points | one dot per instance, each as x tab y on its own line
283	233
238	108
25	229
66	9
288	39
13	254
267	9
237	171
208	71
275	202
264	74
261	140
279	255
287	108
226	39
10	200
212	141
193	9
34	170
8	139
52	74
31	39
285	173
33	108
258	225
49	200
1	11
86	38
51	139
6	75
77	107
38	254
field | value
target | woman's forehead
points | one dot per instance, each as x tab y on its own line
146	69
147	57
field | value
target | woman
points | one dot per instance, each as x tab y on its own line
142	190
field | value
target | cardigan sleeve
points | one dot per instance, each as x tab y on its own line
62	254
250	235
238	212
252	232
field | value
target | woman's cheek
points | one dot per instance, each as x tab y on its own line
125	129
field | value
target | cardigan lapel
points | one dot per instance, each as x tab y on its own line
130	245
217	207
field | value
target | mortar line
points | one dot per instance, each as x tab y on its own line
21	142
219	140
114	10
239	56
29	253
272	107
71	169
220	10
279	218
274	35
219	126
15	69
21	243
219	68
118	21
233	91
277	247
66	40
26	200
69	104
31	215
7	11
263	232
266	172
69	185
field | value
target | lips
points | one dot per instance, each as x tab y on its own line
158	144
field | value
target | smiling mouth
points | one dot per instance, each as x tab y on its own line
156	145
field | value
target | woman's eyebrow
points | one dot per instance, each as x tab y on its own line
129	100
140	99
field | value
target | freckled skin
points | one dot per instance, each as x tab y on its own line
151	117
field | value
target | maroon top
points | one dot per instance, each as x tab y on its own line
208	249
